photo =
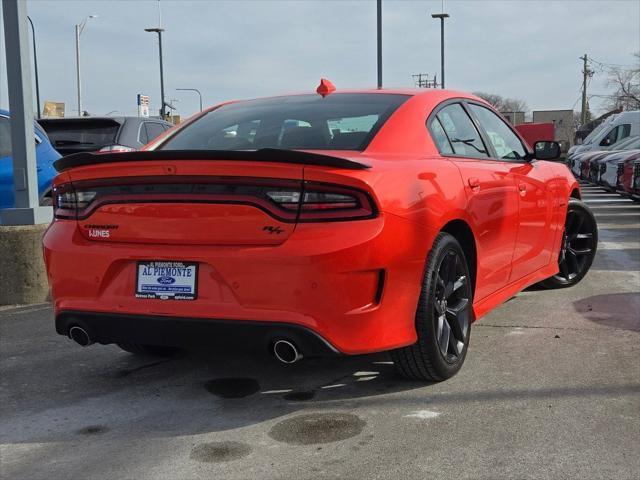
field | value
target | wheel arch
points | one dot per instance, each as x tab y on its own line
575	193
462	232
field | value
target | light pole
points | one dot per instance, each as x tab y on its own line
35	64
193	90
441	16
79	30
379	41
159	31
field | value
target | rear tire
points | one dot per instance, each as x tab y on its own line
148	350
578	249
443	317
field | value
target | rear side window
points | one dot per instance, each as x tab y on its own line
624	131
341	121
461	132
5	137
153	130
440	137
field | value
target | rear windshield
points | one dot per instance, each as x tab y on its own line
81	132
344	121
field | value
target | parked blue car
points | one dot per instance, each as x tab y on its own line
45	156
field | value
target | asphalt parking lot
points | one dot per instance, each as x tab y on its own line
550	389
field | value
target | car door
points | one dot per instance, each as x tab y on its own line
492	199
535	239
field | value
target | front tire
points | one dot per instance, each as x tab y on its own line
578	249
443	318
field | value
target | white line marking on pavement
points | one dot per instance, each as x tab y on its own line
630	206
366	379
276	391
618	245
617	226
423	414
365	374
621	214
335	386
516	331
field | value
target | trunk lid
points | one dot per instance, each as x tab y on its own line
191	203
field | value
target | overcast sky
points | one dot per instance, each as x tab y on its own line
244	49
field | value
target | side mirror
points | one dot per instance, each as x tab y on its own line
546	150
606	142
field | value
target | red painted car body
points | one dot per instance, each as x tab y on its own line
628	175
355	283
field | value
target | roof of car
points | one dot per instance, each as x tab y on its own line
435	94
120	119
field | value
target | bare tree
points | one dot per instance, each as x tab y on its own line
626	85
503	104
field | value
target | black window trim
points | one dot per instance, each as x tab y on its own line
493	155
140	127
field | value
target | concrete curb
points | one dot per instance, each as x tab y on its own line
23	279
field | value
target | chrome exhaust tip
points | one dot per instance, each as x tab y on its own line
286	352
80	336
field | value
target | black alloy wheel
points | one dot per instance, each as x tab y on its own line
450	304
578	248
443	316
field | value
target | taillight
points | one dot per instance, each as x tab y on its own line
332	203
287	200
67	202
117	149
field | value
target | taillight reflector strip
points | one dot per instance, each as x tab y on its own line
286	200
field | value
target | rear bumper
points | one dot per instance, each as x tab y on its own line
172	331
354	284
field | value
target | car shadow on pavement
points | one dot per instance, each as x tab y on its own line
193	392
617	310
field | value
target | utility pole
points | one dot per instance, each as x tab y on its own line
379	44
586	73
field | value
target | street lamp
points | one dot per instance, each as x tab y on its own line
159	31
441	16
79	30
193	90
379	40
35	64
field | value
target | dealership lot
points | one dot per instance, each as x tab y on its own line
551	389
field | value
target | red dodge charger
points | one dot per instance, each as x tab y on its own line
315	224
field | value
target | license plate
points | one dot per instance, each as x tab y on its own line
167	280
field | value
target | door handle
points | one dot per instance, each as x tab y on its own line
474	183
522	187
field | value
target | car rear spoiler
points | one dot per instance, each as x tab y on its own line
263	155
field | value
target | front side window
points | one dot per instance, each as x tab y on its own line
461	132
340	121
610	138
506	143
